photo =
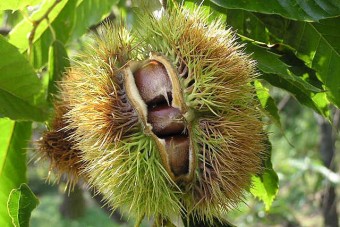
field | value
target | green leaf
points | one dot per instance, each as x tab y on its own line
312	10
72	22
58	62
21	94
260	27
13	144
16	4
267	103
249	24
68	20
318	45
271	63
266	185
64	24
277	73
18	36
315	43
10	18
90	12
60	28
20	204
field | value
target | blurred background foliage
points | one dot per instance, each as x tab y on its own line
296	44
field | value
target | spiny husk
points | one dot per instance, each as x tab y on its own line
122	162
56	146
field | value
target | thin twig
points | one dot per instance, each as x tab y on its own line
36	24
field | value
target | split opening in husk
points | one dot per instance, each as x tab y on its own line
154	90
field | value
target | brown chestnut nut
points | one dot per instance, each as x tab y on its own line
153	83
166	120
177	148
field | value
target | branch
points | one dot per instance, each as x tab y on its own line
36	24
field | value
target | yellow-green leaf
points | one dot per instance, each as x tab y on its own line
13	144
20	204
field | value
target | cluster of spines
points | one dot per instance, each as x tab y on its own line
136	179
56	147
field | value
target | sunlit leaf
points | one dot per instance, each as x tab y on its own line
267	103
68	20
13	144
16	4
60	29
72	22
266	185
318	45
10	18
278	74
315	43
18	36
